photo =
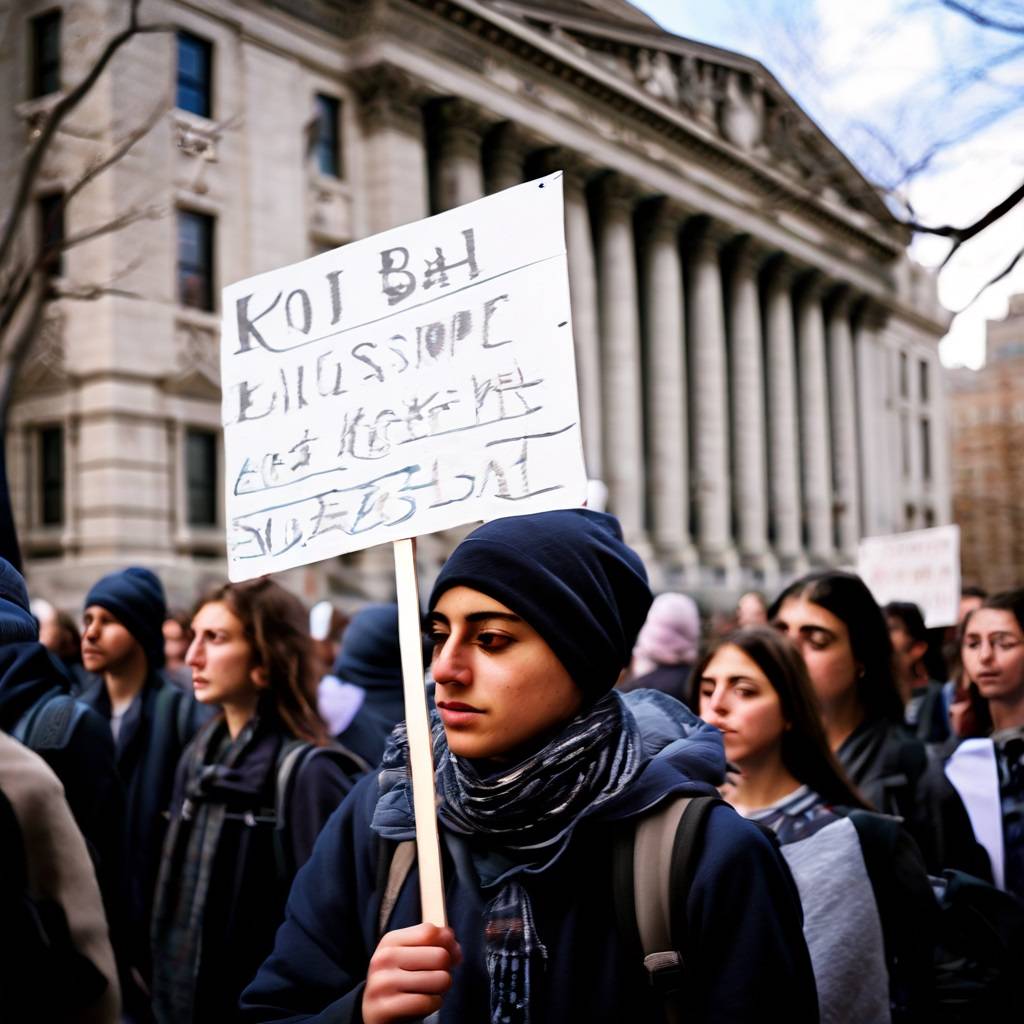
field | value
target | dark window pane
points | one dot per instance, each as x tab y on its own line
926	450
195	62
51	233
195	259
201	475
46	54
924	380
51	475
904	388
328	142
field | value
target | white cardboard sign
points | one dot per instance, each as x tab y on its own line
922	566
410	382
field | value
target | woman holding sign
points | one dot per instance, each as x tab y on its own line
543	772
252	792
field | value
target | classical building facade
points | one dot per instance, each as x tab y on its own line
987	414
757	356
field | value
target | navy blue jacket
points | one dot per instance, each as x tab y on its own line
743	914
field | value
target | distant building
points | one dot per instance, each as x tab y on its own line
757	355
988	456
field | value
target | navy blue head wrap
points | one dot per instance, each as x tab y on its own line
570	575
16	622
370	654
135	597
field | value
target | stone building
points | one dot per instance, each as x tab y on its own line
987	415
757	356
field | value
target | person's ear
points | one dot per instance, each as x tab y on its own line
259	677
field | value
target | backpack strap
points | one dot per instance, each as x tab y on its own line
24	724
403	857
652	875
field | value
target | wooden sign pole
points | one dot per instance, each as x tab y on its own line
421	757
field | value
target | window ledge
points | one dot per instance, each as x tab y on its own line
195	135
204	319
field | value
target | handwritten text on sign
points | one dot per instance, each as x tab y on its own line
922	566
406	383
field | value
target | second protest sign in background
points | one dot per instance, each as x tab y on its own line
407	383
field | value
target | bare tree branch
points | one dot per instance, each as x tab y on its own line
1005	272
10	366
37	150
984	20
959	235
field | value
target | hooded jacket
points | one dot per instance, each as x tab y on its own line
743	916
84	764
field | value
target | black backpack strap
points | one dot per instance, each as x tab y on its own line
652	875
53	727
23	726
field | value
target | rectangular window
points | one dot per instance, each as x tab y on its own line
51	233
926	450
923	380
195	80
905	445
328	136
51	476
46	54
195	259
904	372
201	476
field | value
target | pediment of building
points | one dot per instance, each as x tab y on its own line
733	98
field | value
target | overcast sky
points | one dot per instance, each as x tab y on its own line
880	69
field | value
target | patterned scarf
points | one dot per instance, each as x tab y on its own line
528	811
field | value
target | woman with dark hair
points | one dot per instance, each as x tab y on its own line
241	821
989	772
868	947
540	767
842	634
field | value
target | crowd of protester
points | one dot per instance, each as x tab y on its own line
207	815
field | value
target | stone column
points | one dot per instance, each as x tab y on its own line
783	418
507	149
579	241
395	146
620	349
814	421
709	398
665	388
750	477
845	455
460	173
875	442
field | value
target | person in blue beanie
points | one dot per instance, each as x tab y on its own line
361	700
151	721
540	766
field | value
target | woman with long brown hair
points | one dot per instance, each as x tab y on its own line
252	793
865	894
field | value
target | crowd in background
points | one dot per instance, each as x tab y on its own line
165	775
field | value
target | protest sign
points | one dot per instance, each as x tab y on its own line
407	383
410	382
922	566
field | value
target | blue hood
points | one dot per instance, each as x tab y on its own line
685	754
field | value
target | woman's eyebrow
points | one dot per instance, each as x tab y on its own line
811	628
484	616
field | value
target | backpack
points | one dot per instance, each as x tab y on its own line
43	977
291	759
50	722
979	950
976	930
650	901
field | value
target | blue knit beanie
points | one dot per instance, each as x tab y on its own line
570	575
16	621
135	597
370	655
